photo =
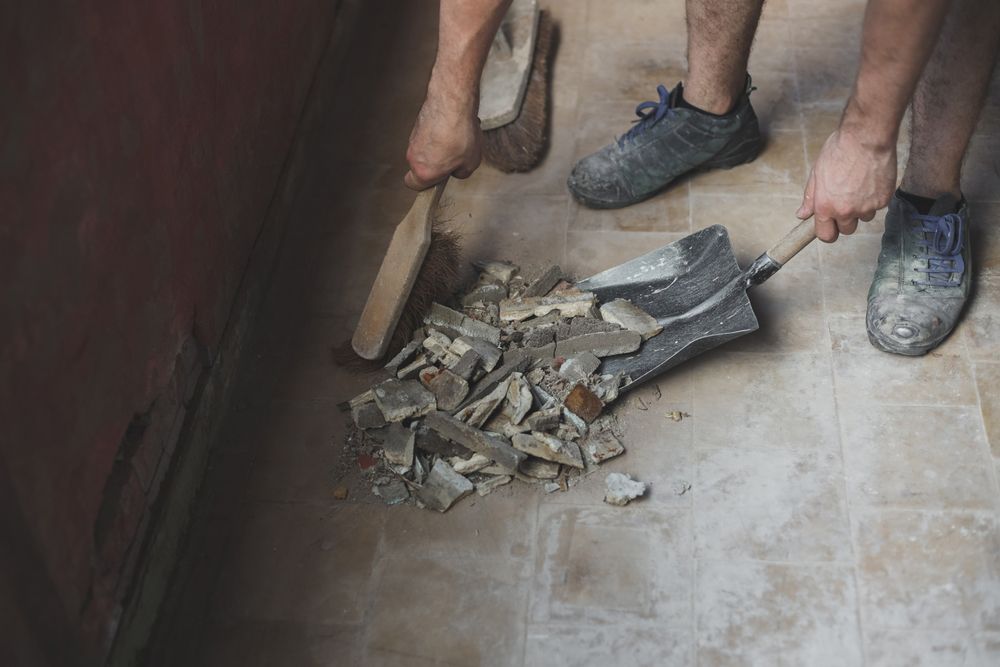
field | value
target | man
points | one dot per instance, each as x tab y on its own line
936	55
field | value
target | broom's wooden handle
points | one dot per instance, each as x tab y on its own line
793	242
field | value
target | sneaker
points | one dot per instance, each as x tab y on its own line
668	141
923	276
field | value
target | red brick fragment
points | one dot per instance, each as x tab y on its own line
584	403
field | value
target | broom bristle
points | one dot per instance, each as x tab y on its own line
520	145
437	281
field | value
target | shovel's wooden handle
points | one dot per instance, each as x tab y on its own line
794	241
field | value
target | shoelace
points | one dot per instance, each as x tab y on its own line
941	240
649	113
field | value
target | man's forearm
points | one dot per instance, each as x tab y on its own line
466	31
898	39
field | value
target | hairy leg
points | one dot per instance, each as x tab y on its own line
720	33
949	97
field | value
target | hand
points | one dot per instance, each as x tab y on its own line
850	180
445	141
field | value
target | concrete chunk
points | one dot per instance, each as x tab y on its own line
570	303
543	420
448	388
631	317
545	282
583	403
403	356
475	463
393	492
487	486
539	468
443	487
602	344
431	442
367	415
579	366
398	445
476	414
402	399
494	447
492	379
621	489
446	319
466	365
488	352
550	448
600	446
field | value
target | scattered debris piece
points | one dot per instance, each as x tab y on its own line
398	445
494	447
599	446
552	487
549	448
367	415
622	489
341	492
677	415
443	487
419	363
580	366
488	353
466	365
492	379
544	284
543	420
474	463
393	492
448	320
601	344
476	414
503	271
449	389
486	487
485	293
431	442
402	399
681	487
631	317
583	403
569	303
539	468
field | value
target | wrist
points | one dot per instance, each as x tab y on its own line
452	96
873	129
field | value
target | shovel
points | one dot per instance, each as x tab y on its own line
695	290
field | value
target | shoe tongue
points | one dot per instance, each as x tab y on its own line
944	205
676	95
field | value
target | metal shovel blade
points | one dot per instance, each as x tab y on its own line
693	287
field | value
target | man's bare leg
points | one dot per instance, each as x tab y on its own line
950	96
720	33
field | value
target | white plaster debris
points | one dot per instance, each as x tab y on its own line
621	489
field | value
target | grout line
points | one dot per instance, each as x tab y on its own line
992	468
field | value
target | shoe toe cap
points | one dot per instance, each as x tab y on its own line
597	181
906	327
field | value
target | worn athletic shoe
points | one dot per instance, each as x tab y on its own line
923	276
667	141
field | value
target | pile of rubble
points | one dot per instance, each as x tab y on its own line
504	386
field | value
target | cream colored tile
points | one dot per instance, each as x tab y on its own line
916	458
988	385
929	570
923	648
588	253
779	401
445	611
621	644
779	170
640	20
825	75
665	212
782	615
848	266
300	563
866	375
628	72
980	324
767	505
611	565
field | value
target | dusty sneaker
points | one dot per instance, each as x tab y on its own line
669	140
923	276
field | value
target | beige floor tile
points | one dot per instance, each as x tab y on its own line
848	267
929	570
779	170
866	375
438	611
767	505
299	563
623	645
980	325
988	384
666	212
985	230
781	615
916	458
789	313
825	75
588	253
774	401
928	648
661	21
629	72
611	565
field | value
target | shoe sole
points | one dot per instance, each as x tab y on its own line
746	153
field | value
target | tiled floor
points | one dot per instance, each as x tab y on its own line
843	503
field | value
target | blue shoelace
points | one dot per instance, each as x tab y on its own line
941	240
649	113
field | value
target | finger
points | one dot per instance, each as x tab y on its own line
462	172
414	182
847	226
826	229
806	209
868	217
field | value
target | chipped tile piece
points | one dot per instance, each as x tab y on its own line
474	463
485	293
570	303
539	336
360	399
581	326
431	442
579	366
367	415
402	399
545	282
448	389
398	445
539	468
552	487
419	363
494	447
519	398
466	365
502	271
608	388
487	486
543	420
599	446
476	414
443	487
549	448
489	353
631	317
494	378
446	319
601	344
583	403
403	356
393	492
622	489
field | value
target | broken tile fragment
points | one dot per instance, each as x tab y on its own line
431	442
519	398
448	388
402	399
543	420
448	320
622	489
413	368
496	470
494	378
403	356
539	336
539	468
581	326
486	487
361	399
466	365
599	446
341	493
443	487
601	344
545	282
583	403
494	447
393	492
580	366
474	463
502	271
475	414
607	389
398	445
437	344
552	487
570	303
485	293
631	317
489	353
367	415
550	448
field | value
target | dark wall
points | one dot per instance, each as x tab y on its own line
140	145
